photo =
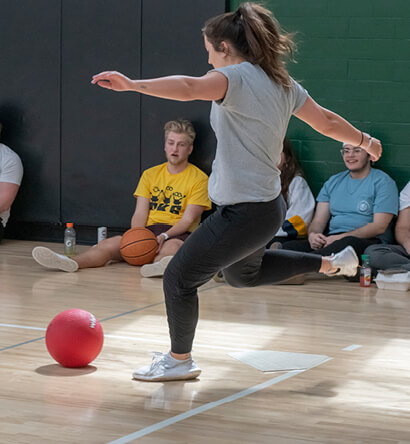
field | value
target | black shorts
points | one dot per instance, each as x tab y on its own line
157	229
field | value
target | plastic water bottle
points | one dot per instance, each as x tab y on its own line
365	272
69	240
101	234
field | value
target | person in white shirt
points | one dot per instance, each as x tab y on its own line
384	256
11	173
300	203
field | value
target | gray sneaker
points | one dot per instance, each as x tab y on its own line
219	277
166	368
157	269
49	259
346	261
276	246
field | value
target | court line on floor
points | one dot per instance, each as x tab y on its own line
160	425
25	327
352	347
21	343
102	320
132	338
44	329
131	311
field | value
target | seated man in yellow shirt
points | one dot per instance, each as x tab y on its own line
171	198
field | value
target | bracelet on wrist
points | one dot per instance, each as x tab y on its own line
370	142
361	141
165	235
363	136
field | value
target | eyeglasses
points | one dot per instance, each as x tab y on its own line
347	151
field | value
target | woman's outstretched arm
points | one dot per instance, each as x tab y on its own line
211	86
332	125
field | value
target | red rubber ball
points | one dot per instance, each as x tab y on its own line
74	338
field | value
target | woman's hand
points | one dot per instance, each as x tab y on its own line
374	149
113	80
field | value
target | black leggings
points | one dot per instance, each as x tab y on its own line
1	230
233	239
358	244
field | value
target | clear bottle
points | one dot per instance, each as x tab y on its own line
101	234
365	271
69	240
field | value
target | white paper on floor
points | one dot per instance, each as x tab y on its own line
276	361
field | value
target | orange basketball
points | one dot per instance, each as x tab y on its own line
138	246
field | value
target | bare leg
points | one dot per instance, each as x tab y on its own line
169	248
325	267
164	256
180	357
100	254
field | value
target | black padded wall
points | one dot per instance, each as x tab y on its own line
30	101
100	129
173	44
83	147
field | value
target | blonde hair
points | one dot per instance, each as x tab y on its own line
257	36
180	126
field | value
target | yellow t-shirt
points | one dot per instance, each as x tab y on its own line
170	194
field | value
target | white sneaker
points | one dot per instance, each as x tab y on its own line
49	259
166	368
346	261
157	269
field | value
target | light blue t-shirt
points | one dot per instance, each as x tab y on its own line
250	124
353	202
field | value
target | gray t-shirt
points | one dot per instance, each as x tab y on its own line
250	124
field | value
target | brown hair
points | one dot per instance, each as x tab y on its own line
257	36
289	169
180	126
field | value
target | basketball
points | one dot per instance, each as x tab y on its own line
138	246
74	338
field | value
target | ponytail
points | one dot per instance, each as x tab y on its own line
257	36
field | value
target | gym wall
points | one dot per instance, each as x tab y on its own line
353	58
85	148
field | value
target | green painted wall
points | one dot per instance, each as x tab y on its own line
353	58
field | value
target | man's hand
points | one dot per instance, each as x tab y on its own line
161	239
113	80
317	240
331	239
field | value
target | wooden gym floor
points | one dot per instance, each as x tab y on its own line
361	395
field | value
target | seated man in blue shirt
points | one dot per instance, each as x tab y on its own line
356	205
